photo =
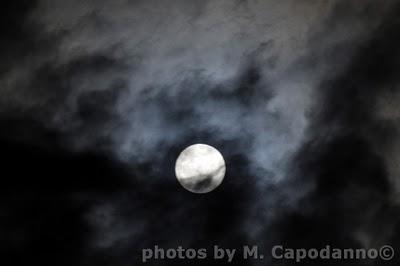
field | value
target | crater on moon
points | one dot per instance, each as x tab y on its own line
200	168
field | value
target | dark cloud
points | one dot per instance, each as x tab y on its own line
352	199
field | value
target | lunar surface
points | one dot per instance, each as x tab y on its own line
200	168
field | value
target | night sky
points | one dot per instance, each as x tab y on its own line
98	98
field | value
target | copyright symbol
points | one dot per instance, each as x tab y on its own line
386	253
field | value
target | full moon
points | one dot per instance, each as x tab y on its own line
200	168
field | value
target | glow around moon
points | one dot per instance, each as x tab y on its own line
200	168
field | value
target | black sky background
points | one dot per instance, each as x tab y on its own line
71	194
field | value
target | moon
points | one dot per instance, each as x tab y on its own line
200	168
